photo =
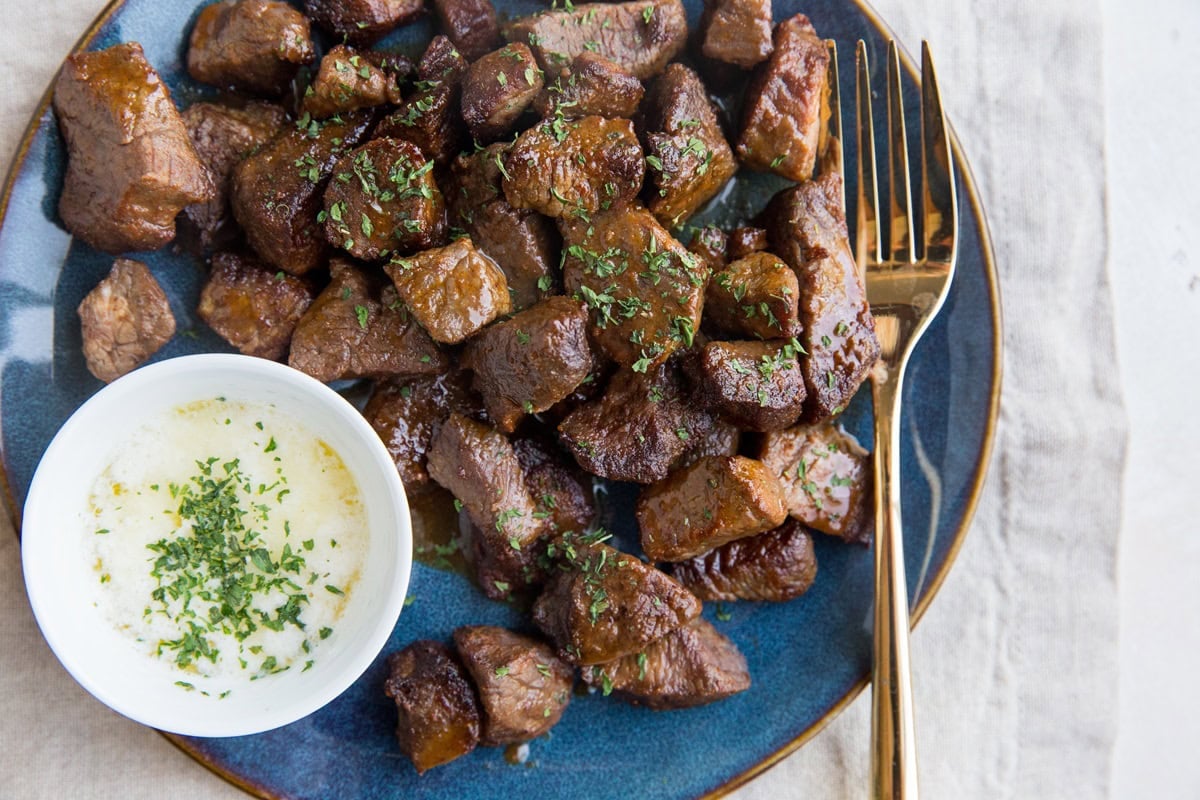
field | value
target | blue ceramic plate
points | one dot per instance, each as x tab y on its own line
808	658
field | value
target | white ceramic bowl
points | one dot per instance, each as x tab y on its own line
105	661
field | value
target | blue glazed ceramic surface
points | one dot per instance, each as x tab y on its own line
806	657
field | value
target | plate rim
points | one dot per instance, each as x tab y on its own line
982	463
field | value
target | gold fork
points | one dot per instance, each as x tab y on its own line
907	281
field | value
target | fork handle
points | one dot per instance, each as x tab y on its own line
893	738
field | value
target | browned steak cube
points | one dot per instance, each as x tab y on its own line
807	226
124	320
131	167
277	190
429	119
639	429
718	439
736	31
381	199
497	89
249	45
405	412
347	81
362	21
591	86
640	36
438	712
687	155
480	468
453	291
691	666
601	604
252	307
643	288
442	61
781	119
223	136
757	386
754	296
745	241
500	571
774	566
470	24
714	501
356	330
560	489
522	242
709	244
574	168
523	686
527	363
826	478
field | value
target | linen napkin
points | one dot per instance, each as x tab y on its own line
1015	662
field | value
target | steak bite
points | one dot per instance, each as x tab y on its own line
781	120
453	291
639	429
714	501
470	24
277	190
643	288
754	296
438	712
718	439
601	604
691	666
480	468
736	32
527	363
253	308
746	240
757	386
524	688
362	21
774	566
523	243
688	158
223	136
591	86
430	117
574	168
124	320
347	81
356	330
709	244
382	198
442	61
807	227
560	489
640	36
249	45
405	411
826	478
497	89
131	167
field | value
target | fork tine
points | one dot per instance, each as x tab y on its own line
939	198
832	155
867	246
898	172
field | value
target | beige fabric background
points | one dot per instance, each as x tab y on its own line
1015	661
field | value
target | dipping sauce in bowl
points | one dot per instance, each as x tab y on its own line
216	545
226	539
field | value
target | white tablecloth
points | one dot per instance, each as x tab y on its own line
1016	662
